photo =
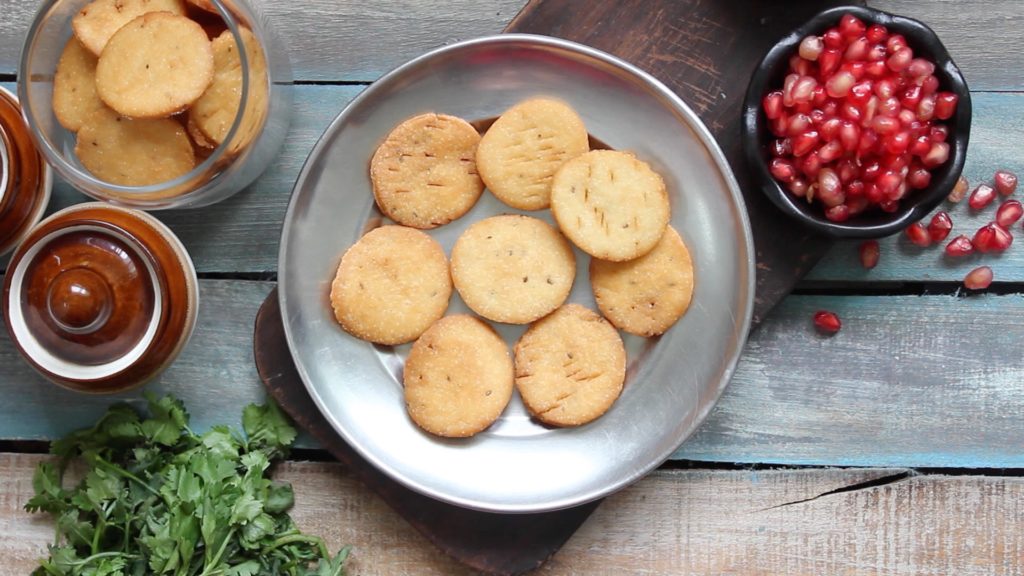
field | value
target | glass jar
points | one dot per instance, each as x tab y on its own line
100	298
249	140
25	178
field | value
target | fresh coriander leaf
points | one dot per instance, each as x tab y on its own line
49	497
76	532
267	427
280	498
248	568
246	508
167	422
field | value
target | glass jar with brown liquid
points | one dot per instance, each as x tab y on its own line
25	179
100	298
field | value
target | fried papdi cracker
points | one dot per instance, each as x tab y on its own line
521	151
424	173
513	268
74	86
133	152
647	295
570	366
198	138
215	111
391	285
610	204
155	66
100	19
458	378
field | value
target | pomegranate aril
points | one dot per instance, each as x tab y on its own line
939	227
992	238
900	59
1008	213
926	108
830	151
959	190
805	142
920	146
910	97
938	133
918	234
829	129
869	254
929	85
877	33
772	105
979	278
919	178
782	170
857	50
827	321
868	140
787	89
850	26
861	91
798	187
945	105
895	42
838	86
811	47
889	181
832	38
890	107
982	196
871	171
811	165
840	213
856	204
780	147
920	68
803	89
849	135
874	194
847	169
1005	182
889	206
875	68
937	155
854	189
885	124
885	88
960	246
828	62
830	188
798	124
897	143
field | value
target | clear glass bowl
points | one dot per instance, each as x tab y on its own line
230	167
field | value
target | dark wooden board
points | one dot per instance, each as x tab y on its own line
493	543
705	51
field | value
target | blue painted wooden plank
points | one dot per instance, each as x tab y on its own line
241	233
908	381
905	383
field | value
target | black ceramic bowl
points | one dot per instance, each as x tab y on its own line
873	223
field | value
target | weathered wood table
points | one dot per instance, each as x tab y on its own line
894	447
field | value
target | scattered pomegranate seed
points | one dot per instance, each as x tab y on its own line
918	234
857	105
869	254
992	238
1005	182
960	246
959	190
939	227
827	321
979	278
982	196
1009	212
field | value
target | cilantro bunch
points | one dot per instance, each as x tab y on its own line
159	499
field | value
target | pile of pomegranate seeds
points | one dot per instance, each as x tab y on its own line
855	120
